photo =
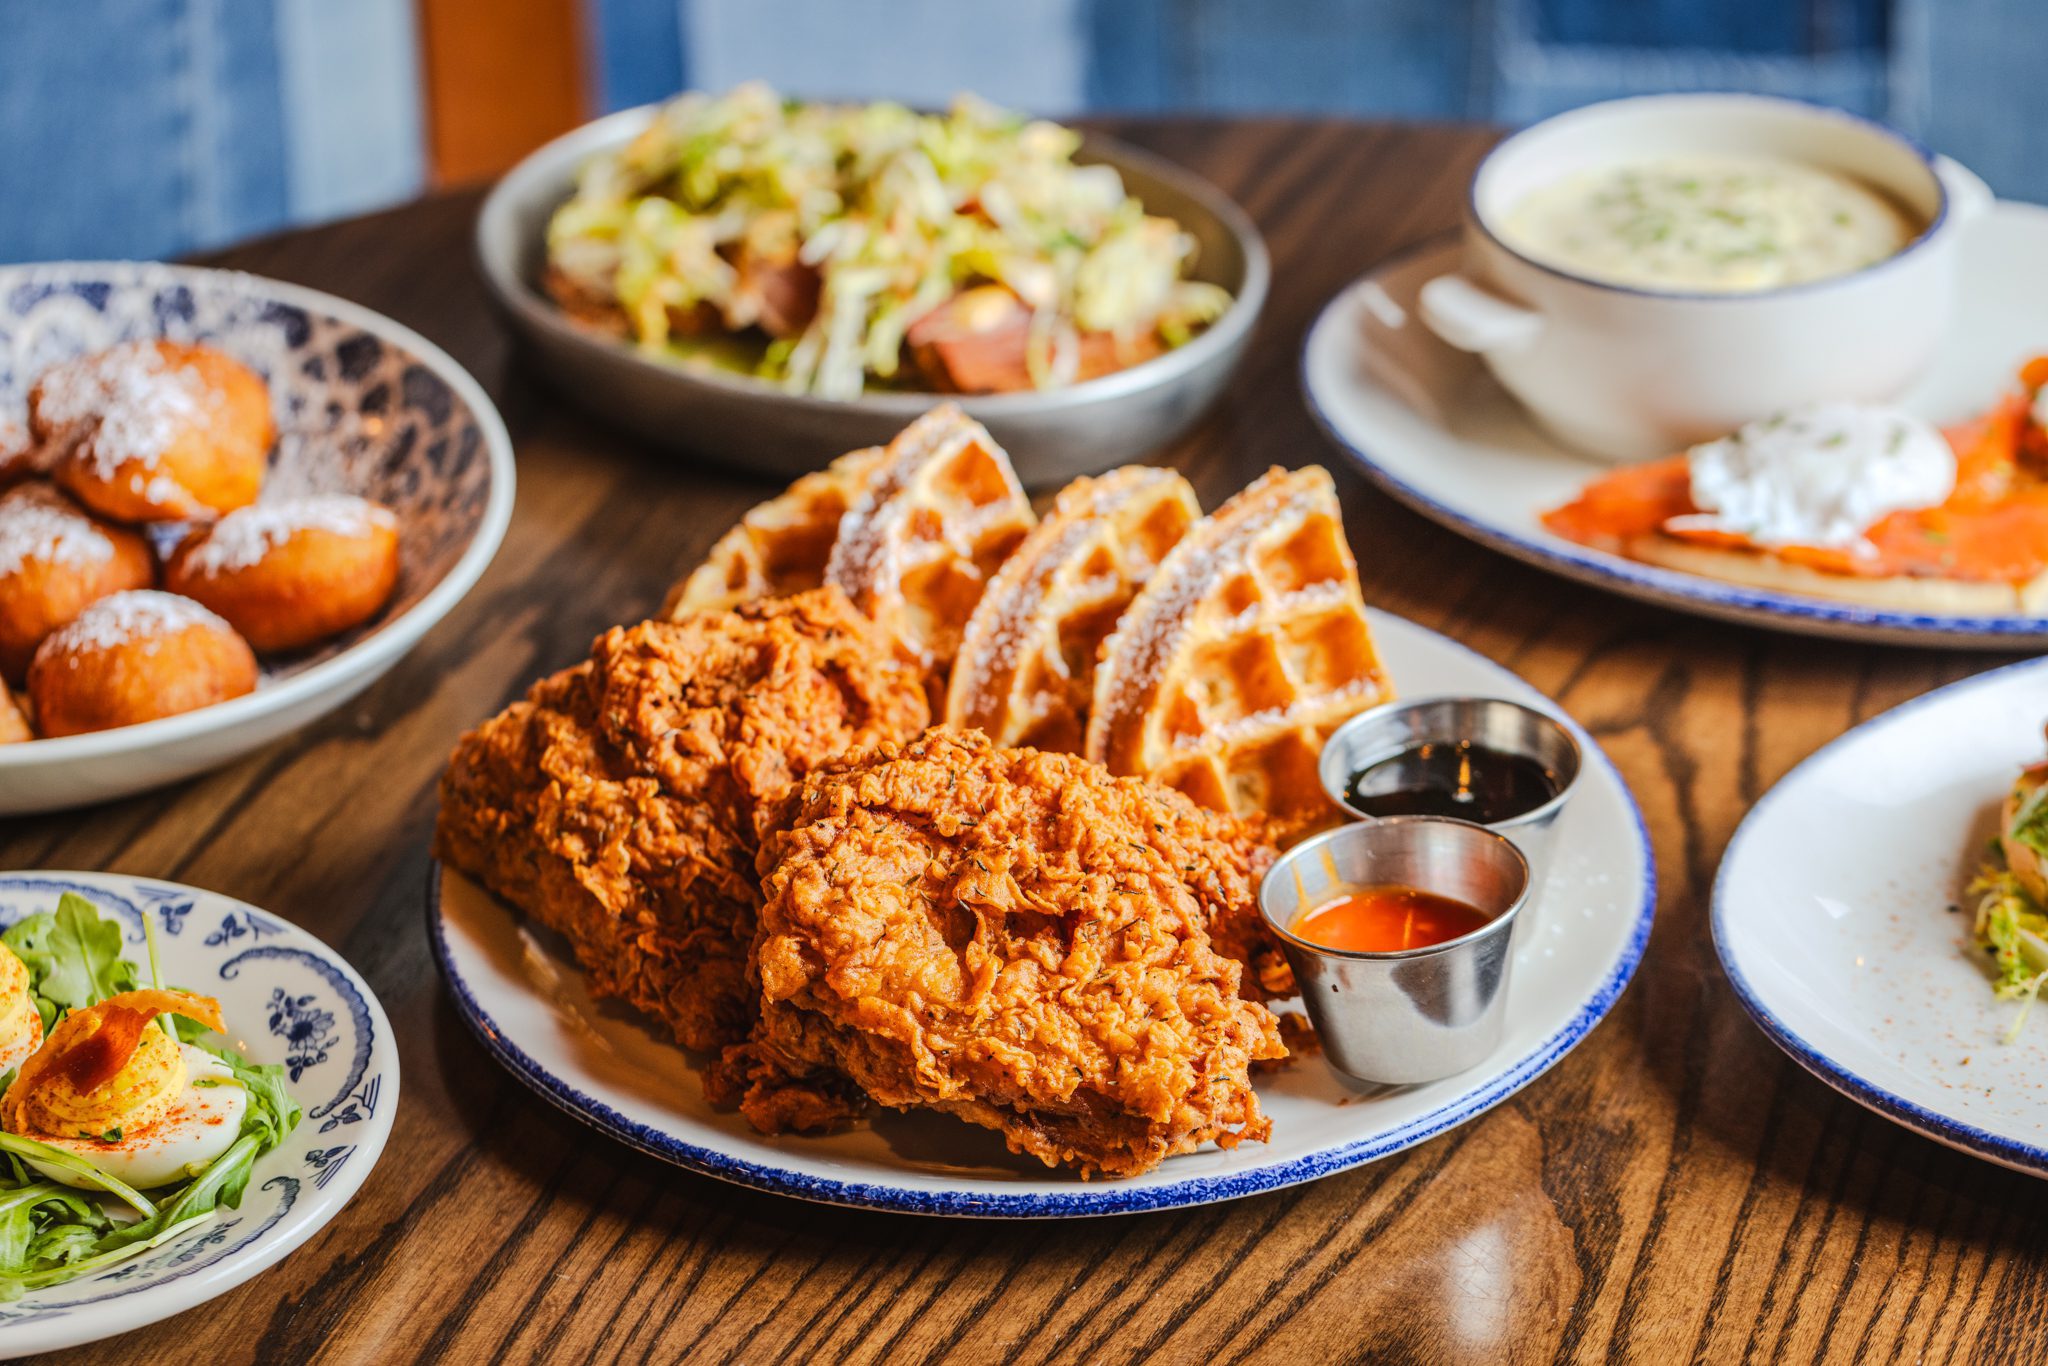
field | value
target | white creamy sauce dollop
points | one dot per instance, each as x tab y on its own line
1722	224
1820	476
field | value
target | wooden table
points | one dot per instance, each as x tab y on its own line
1674	1189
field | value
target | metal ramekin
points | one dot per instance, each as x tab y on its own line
1425	1013
1383	732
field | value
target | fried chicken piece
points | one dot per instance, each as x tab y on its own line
1015	938
623	802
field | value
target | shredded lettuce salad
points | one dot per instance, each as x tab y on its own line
50	1233
896	211
2011	925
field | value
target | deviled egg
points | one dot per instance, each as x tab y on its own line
110	1086
21	1025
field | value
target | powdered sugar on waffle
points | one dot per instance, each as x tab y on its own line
881	540
245	536
39	525
142	615
863	551
1145	642
1022	611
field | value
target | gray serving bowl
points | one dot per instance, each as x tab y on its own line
752	425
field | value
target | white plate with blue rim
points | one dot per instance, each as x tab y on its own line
1430	426
530	1007
1842	916
293	1002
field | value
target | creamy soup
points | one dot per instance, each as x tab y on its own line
1707	223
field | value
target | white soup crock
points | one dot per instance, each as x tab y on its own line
1627	373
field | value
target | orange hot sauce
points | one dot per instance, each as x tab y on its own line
1387	919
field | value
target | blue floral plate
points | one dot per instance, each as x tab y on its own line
531	1008
296	1003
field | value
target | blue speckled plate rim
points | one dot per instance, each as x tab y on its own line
1670	588
1942	1126
211	1280
1091	1199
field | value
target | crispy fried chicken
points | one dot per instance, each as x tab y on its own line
622	803
1012	937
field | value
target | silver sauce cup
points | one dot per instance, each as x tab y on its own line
1420	1014
1374	736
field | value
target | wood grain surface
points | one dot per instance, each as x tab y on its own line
1674	1190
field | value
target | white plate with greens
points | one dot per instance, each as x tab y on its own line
302	1032
1844	915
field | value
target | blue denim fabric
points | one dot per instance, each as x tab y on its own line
1964	75
151	127
138	127
147	128
637	48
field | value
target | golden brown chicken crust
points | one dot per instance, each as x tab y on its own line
1015	938
622	803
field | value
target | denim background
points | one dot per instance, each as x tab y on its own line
149	127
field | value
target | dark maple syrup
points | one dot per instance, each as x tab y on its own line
1453	778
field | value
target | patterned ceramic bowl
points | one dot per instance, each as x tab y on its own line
363	406
293	1001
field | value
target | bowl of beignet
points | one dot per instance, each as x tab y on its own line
227	506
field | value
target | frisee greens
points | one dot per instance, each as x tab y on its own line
2030	823
2014	931
50	1233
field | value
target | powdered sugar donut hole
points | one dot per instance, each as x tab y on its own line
360	405
135	657
292	572
156	430
55	560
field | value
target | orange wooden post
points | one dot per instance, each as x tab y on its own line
502	77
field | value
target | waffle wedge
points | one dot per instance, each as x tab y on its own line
780	547
1243	652
1025	673
933	524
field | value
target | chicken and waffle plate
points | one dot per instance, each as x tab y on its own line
911	799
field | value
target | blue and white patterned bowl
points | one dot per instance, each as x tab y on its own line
301	1006
363	406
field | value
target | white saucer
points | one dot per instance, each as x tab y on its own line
1831	915
1429	425
292	1000
529	1006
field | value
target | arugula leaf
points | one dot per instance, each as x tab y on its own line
85	1168
272	1112
45	1224
73	957
64	1252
